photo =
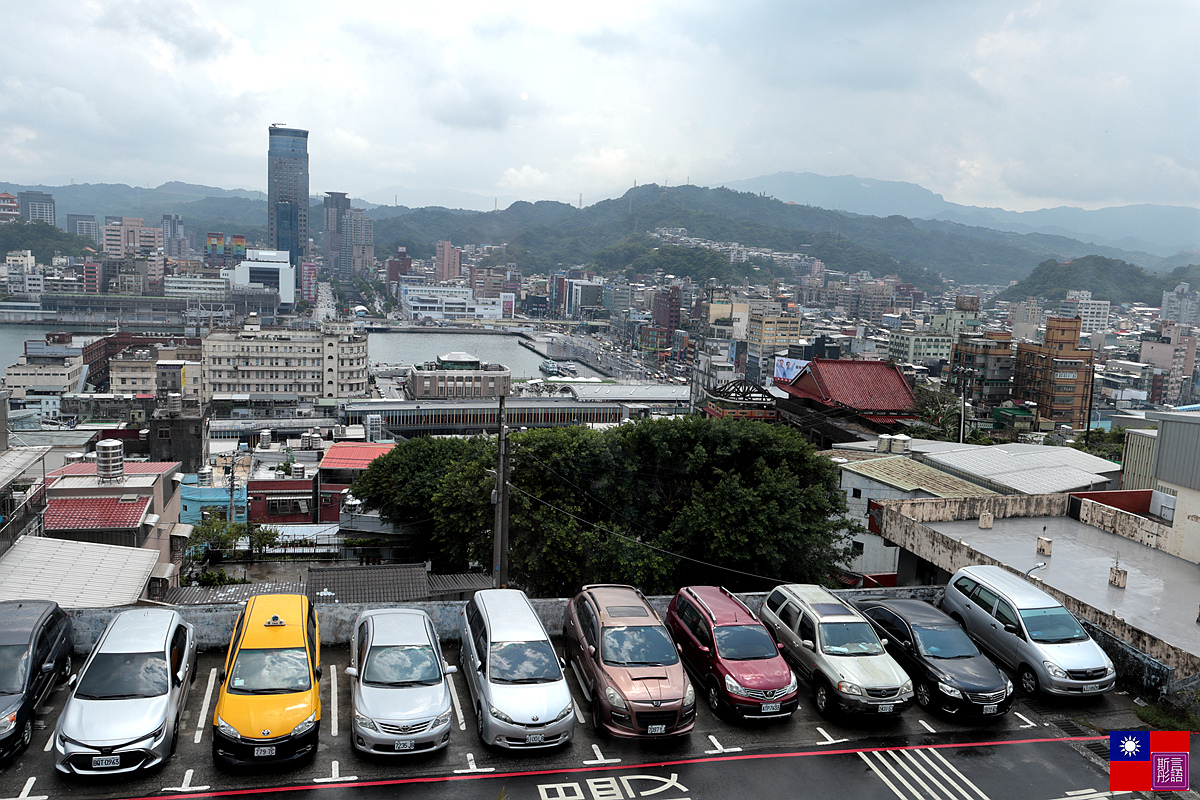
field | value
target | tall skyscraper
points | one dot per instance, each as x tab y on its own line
358	241
37	207
174	239
287	191
336	206
447	261
84	225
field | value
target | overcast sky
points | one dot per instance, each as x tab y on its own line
1020	105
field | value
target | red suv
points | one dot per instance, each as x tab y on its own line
731	654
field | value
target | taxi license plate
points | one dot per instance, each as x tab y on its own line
1092	687
404	745
106	761
886	709
656	729
259	752
989	709
768	708
535	738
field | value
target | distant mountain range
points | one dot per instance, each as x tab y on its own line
1106	278
1164	231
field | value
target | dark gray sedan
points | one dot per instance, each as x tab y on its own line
35	652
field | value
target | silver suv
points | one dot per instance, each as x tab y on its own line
1028	631
836	650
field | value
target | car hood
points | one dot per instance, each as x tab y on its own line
110	722
649	684
523	702
767	673
251	714
401	702
1075	655
975	674
869	672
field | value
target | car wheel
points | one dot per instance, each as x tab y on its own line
597	725
27	733
1028	680
479	724
174	739
65	672
959	621
714	698
923	696
823	699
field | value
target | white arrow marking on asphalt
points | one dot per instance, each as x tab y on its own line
829	739
720	749
600	759
1031	724
471	766
335	778
462	724
926	726
186	786
24	795
212	679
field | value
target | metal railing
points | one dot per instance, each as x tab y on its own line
25	516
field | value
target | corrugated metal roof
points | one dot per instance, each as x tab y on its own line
861	385
1043	470
131	468
353	455
387	583
75	574
233	593
15	460
94	513
909	476
458	582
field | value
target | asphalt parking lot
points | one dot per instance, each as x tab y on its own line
714	741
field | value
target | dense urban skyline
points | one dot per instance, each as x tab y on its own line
1019	105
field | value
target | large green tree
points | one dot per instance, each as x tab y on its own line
659	504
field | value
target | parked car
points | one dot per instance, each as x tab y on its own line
1028	631
949	674
268	709
401	694
123	713
731	655
836	650
35	653
627	664
517	686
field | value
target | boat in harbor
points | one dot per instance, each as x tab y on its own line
549	367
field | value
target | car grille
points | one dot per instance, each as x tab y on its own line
883	693
987	698
647	718
404	729
1087	674
765	694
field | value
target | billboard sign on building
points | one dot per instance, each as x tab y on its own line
788	368
508	303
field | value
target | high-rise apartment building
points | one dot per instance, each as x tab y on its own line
1181	305
1056	375
1093	313
287	191
447	261
358	241
37	207
981	367
122	236
84	225
765	336
1026	319
665	308
336	205
919	346
174	241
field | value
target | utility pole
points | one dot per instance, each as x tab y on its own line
500	499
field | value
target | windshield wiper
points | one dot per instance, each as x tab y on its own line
533	680
280	690
642	663
126	696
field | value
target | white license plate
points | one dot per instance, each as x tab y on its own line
656	729
1093	687
886	709
989	709
768	708
404	745
105	761
535	738
259	752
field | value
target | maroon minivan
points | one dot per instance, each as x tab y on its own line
731	654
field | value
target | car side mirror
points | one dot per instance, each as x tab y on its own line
481	668
883	642
1010	628
352	672
779	646
701	648
317	672
48	667
808	643
71	681
592	650
451	669
221	678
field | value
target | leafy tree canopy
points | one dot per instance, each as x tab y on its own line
1106	278
43	240
659	504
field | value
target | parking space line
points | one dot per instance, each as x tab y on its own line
926	726
600	759
579	712
471	766
186	785
829	739
462	724
212	680
333	713
720	749
24	795
335	777
49	742
1031	724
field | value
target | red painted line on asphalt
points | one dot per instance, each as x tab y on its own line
609	768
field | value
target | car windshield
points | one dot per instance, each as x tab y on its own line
14	661
401	665
849	639
1052	625
524	662
274	670
120	676
638	646
944	642
744	642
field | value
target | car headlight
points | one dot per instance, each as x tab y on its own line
8	722
615	700
1008	687
443	718
1108	673
500	715
947	689
1055	670
566	712
364	722
227	729
306	725
791	687
689	697
733	687
846	687
907	687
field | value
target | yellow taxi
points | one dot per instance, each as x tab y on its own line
269	707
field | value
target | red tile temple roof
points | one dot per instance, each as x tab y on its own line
865	386
353	455
94	513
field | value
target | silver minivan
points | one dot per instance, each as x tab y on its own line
1028	631
518	689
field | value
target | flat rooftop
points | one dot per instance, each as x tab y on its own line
1161	597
